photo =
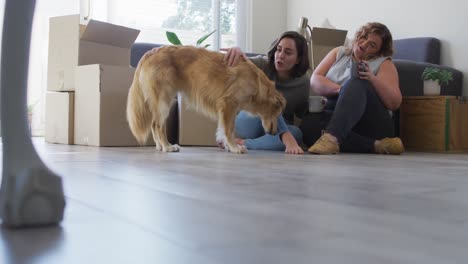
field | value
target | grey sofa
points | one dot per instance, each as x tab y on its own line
412	56
138	49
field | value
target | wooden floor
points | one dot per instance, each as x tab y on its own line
203	205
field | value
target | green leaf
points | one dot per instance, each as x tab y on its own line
442	75
200	41
172	37
207	45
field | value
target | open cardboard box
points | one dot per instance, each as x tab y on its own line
72	44
93	61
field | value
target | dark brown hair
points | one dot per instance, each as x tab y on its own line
302	53
386	50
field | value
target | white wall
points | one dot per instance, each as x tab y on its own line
446	20
268	22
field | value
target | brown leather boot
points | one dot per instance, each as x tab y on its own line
392	146
325	145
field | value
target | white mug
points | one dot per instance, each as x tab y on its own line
316	103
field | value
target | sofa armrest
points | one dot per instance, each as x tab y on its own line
411	83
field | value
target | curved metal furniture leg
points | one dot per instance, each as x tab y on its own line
30	194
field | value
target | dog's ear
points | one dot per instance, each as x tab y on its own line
267	92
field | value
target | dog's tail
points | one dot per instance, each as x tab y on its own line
138	113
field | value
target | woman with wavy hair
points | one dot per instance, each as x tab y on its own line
358	114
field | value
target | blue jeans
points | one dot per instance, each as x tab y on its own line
250	129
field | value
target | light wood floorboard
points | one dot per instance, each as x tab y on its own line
203	205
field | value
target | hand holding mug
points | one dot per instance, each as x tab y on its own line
360	70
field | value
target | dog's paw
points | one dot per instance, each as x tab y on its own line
243	149
238	149
158	147
172	148
220	141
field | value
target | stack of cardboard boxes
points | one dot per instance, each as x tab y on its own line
88	81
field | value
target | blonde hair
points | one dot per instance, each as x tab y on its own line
386	50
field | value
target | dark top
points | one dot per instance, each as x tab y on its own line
295	91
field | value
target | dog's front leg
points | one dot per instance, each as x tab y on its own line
226	121
220	135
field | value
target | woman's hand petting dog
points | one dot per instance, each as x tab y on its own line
233	56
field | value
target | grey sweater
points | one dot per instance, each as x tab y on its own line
296	91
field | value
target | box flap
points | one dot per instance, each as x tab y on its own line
110	34
324	40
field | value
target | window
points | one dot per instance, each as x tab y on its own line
189	19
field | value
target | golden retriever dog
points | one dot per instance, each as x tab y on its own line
210	86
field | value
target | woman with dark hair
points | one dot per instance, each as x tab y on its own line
286	65
358	113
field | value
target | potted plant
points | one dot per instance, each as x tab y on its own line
433	78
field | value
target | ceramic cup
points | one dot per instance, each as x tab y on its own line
315	104
355	69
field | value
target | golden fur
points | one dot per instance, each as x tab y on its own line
210	86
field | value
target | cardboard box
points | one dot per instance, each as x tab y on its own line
195	129
72	44
59	117
323	41
434	123
100	105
